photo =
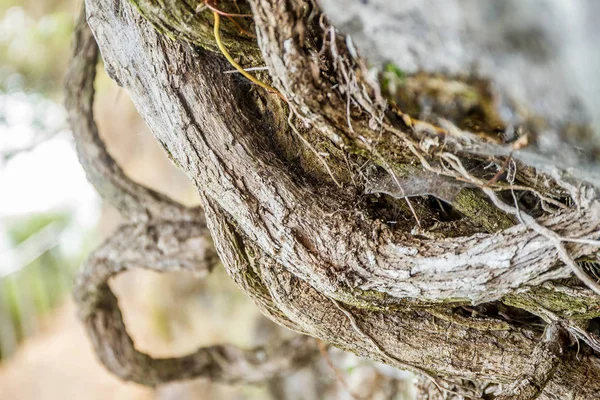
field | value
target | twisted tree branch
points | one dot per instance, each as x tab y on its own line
167	237
133	200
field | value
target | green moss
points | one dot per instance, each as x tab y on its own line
468	202
391	77
471	204
395	70
180	20
562	301
374	300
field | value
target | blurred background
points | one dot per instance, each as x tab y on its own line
51	218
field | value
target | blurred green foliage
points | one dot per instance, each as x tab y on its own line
34	51
27	295
26	227
34	45
391	77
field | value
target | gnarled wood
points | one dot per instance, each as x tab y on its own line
169	238
308	252
322	240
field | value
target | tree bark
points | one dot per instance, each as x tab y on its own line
291	191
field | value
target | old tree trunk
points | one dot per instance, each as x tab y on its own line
406	207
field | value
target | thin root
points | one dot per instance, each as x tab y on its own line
530	222
311	147
235	64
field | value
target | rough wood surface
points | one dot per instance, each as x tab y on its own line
162	236
308	251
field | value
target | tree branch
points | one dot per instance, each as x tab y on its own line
294	246
168	247
134	201
168	237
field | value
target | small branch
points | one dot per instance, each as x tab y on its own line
30	249
11	153
338	374
500	171
168	247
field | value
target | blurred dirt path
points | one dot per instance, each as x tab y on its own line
59	364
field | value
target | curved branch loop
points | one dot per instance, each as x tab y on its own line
168	247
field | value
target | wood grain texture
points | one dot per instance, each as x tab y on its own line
301	248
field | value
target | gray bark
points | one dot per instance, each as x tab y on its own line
161	235
293	228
